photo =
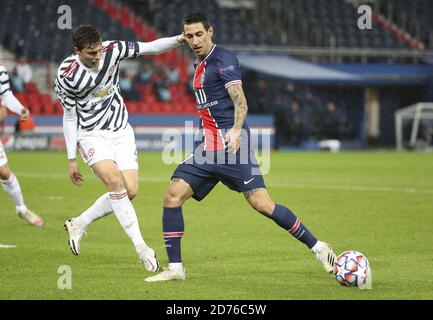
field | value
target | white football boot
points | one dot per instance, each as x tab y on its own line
148	258
32	218
76	232
168	274
325	255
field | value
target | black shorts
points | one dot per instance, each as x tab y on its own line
202	177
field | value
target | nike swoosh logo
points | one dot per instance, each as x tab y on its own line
246	182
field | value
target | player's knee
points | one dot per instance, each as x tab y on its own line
5	173
132	192
172	200
114	182
262	205
4	176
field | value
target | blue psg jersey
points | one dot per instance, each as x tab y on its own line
213	75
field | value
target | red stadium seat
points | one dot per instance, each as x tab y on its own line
34	103
143	107
132	107
47	104
125	17
21	98
58	109
31	88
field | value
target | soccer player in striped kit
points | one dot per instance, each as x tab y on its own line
222	107
8	180
95	122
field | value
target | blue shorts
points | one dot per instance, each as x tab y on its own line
202	177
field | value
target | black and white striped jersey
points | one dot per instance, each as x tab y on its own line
95	93
4	80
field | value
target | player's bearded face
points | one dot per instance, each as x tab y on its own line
199	39
90	56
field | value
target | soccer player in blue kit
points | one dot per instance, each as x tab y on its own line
224	153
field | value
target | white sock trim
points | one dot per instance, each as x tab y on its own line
317	246
177	266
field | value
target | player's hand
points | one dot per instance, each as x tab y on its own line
233	140
74	173
181	38
25	114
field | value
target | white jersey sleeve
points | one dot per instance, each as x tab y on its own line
70	131
132	49
66	95
6	94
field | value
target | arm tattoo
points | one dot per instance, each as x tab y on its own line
240	102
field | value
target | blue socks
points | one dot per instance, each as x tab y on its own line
172	228
287	220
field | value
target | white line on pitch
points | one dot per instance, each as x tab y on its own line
276	184
7	246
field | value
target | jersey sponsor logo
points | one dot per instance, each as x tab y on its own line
103	93
207	105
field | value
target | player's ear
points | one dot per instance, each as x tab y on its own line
76	51
210	31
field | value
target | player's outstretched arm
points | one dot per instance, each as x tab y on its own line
160	45
241	109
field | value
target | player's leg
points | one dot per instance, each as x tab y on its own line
173	228
111	176
131	181
260	200
126	158
93	148
102	206
172	218
12	188
188	181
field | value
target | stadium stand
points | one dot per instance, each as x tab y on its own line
327	23
41	39
29	29
414	17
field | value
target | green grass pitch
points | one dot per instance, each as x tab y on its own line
379	203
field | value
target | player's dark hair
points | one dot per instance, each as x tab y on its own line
195	18
85	35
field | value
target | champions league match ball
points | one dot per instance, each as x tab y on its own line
353	269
